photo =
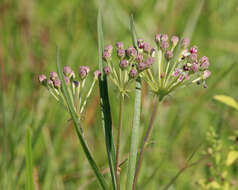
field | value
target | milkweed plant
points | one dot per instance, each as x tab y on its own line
165	66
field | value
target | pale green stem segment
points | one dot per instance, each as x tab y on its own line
87	96
160	66
117	171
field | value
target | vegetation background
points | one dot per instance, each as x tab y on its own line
29	32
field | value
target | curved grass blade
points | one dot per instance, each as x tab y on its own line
91	161
105	105
29	162
136	121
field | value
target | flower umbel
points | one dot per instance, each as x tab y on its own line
76	87
176	68
129	64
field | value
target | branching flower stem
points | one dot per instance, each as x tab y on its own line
156	102
118	141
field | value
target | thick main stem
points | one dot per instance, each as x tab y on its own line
118	141
146	137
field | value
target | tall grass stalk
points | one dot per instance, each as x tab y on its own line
105	105
136	120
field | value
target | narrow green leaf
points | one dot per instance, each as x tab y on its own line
227	100
91	161
35	138
105	106
29	161
136	121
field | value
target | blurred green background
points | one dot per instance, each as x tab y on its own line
29	33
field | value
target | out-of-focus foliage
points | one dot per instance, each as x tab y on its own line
29	33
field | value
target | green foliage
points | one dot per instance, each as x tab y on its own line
29	31
220	161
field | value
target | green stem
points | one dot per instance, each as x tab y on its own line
146	137
134	136
118	140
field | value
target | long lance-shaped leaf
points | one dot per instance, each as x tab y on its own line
136	121
105	105
29	162
91	161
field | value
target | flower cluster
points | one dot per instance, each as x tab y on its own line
178	65
75	86
130	63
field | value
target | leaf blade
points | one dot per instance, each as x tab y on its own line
77	126
227	100
105	105
136	121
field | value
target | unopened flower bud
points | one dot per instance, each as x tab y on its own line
194	67
106	55
141	66
146	48
157	38
50	83
83	71
53	76
181	77
42	78
164	38
206	74
97	74
185	43
133	73
67	71
139	58
193	57
108	48
164	45
150	60
193	50
107	70
119	45
174	40
168	55
120	53
131	52
57	83
140	43
123	64
177	72
204	62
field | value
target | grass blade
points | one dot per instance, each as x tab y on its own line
105	105
192	22
91	161
136	121
29	162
